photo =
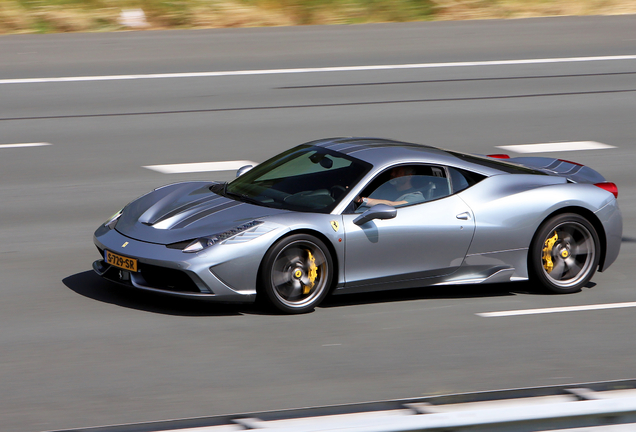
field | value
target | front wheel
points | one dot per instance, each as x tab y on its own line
296	273
564	253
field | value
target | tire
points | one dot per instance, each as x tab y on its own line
291	282
565	263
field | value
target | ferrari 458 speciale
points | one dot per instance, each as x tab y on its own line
347	215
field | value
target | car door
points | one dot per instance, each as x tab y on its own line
425	240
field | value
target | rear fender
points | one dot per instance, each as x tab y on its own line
505	222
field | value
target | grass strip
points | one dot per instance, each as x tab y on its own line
54	16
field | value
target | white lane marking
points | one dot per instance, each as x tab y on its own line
556	147
316	69
200	167
557	310
41	144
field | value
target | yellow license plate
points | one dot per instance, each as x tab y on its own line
120	261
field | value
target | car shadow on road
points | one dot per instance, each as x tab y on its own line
438	292
88	284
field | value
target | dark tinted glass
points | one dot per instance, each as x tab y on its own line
405	185
462	179
501	165
305	178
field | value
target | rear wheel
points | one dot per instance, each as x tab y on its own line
565	253
296	273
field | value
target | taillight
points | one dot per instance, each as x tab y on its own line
499	156
608	186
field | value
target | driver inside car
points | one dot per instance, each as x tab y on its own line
399	188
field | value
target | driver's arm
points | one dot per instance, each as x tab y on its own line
370	202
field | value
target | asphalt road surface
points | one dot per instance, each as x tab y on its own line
76	351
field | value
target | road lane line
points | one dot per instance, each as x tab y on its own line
41	144
556	147
556	310
317	69
200	167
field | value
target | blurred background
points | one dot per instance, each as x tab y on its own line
49	16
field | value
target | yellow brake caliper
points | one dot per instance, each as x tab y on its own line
548	265
312	274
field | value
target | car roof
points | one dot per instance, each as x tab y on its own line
382	152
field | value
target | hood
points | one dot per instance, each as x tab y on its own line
185	211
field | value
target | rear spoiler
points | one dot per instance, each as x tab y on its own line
573	171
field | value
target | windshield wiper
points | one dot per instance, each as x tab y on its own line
242	197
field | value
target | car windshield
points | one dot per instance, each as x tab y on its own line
305	178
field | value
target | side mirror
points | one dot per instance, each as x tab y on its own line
380	211
242	170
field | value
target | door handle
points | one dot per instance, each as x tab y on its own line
463	216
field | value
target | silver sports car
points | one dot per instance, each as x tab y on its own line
346	215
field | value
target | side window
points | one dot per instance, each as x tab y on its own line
462	179
405	185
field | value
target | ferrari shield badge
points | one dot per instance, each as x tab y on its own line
335	225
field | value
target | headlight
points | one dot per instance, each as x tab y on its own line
200	244
112	221
243	233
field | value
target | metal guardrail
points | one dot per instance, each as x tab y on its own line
602	405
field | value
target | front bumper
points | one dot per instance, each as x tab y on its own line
186	289
191	275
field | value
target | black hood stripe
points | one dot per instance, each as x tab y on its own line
185	207
196	217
